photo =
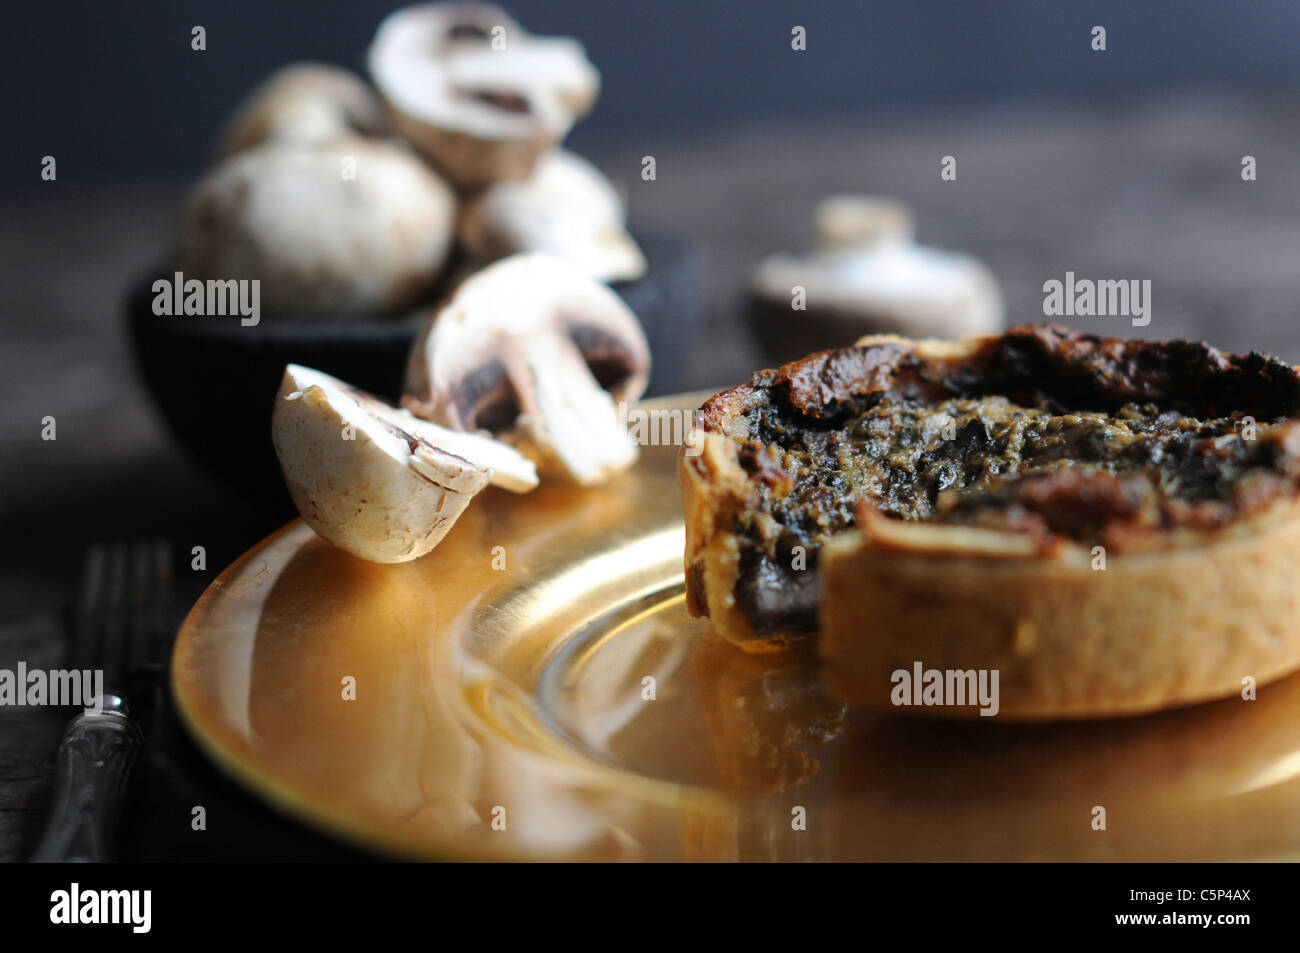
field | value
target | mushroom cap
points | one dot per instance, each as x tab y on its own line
303	103
479	112
567	208
536	352
319	241
856	220
868	271
361	483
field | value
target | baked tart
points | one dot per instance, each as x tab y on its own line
1112	526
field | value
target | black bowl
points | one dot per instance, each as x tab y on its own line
215	380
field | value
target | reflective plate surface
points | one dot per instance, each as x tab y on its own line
534	689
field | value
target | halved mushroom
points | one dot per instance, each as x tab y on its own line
868	276
474	92
306	104
566	208
372	478
351	226
535	352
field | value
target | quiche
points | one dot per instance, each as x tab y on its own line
1111	525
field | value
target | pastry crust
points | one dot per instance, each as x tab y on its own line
1181	612
1152	630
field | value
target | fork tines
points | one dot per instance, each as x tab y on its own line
123	609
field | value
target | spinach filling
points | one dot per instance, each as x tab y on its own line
1090	476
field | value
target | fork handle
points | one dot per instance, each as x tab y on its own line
92	767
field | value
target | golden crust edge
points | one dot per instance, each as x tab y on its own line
1152	630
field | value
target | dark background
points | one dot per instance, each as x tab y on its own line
114	90
1122	164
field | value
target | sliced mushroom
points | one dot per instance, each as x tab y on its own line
351	226
306	104
474	92
868	276
371	478
566	208
535	352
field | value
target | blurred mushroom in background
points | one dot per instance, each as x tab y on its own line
351	226
474	92
566	208
867	275
306	104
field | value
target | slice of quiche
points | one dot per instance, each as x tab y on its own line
1112	525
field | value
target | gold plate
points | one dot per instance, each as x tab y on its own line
535	689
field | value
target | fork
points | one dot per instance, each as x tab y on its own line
120	625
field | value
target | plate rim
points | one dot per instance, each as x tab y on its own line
280	796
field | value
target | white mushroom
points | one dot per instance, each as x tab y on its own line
537	353
306	104
474	92
868	276
351	226
857	221
371	478
566	208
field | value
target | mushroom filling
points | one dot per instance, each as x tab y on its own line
1044	432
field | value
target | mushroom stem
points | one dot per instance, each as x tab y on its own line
567	416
